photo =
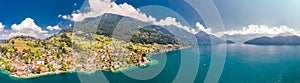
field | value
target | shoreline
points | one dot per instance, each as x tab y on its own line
31	76
62	72
34	75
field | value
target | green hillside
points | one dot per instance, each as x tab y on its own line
83	49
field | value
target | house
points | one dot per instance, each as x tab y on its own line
78	65
20	73
40	61
70	68
44	55
56	65
29	68
52	62
34	67
18	65
44	69
8	54
25	54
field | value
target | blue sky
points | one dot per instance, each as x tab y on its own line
236	14
239	13
44	12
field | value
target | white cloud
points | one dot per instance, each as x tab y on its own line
1	26
65	17
27	28
200	27
169	21
51	28
6	34
128	10
59	15
97	8
263	30
27	25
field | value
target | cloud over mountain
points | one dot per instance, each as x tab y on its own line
200	27
51	28
169	21
263	30
99	7
254	31
6	34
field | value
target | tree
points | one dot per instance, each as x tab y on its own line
63	67
13	69
37	71
50	67
13	42
7	67
46	60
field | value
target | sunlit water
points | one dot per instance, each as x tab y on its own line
244	63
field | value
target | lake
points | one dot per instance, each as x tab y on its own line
242	64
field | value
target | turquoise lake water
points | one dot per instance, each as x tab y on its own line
243	64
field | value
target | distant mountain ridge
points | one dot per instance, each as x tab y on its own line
1	41
204	38
277	40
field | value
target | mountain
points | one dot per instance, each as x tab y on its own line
1	41
126	28
204	38
238	38
277	40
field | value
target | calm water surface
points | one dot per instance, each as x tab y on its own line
244	63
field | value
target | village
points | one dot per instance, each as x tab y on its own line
26	62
